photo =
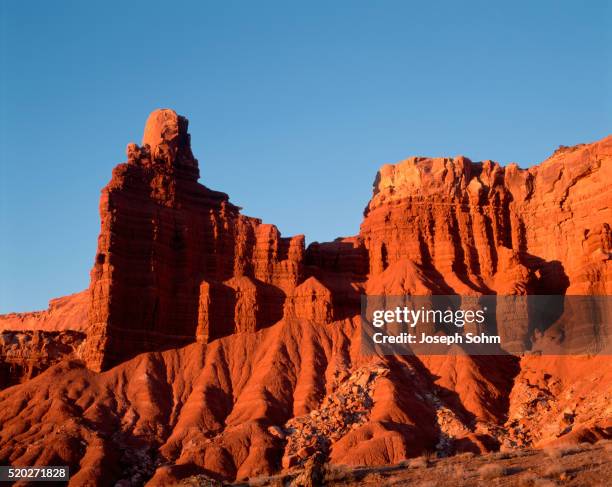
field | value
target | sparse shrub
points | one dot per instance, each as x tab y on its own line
430	455
428	483
554	470
527	480
419	462
466	454
558	451
502	455
544	483
491	471
553	453
457	471
375	478
199	481
259	481
570	449
520	453
265	480
336	473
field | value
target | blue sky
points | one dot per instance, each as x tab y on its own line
293	106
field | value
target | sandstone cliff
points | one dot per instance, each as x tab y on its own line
66	313
168	245
214	345
177	261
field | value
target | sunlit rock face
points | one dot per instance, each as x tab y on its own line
207	343
164	234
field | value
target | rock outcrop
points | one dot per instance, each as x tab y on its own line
24	354
163	236
66	313
311	300
32	342
461	218
209	345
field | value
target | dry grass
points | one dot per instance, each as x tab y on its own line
457	471
535	469
198	481
569	449
376	478
454	471
502	455
558	451
466	454
520	453
336	473
554	470
267	481
419	462
491	471
430	455
259	481
553	453
544	483
527	480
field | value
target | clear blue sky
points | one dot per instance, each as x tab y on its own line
293	106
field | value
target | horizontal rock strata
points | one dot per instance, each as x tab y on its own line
209	345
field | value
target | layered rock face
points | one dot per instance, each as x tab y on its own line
215	346
168	245
484	228
479	228
32	342
177	261
66	313
23	354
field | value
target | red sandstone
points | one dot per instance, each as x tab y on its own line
214	345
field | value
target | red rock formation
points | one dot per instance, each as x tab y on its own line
216	346
163	235
24	354
311	300
461	217
470	227
66	313
31	342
